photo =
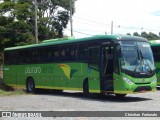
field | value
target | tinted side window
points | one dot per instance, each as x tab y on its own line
83	52
11	57
48	54
24	56
65	53
156	53
52	54
73	52
27	56
21	57
94	58
69	53
56	54
40	55
34	54
6	58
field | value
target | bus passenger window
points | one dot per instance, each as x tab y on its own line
73	52
63	53
83	51
94	58
48	54
68	53
56	53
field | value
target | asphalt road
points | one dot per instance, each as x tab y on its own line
74	101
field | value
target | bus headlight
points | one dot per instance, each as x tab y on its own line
154	80
127	80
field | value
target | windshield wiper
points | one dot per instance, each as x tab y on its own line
144	60
139	59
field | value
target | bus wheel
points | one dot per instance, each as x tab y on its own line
85	88
30	85
120	95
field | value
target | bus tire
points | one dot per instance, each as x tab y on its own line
30	85
85	88
120	95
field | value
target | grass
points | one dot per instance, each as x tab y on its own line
8	91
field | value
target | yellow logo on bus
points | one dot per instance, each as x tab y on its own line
67	70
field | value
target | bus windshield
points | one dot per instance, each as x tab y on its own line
137	57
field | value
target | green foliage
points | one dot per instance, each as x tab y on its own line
152	36
128	34
22	11
54	14
17	20
6	6
149	36
135	34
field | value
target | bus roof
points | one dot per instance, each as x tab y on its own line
154	42
73	40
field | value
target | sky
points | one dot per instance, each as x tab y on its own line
94	17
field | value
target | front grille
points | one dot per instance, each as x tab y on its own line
142	88
142	83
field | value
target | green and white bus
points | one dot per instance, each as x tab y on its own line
155	46
113	64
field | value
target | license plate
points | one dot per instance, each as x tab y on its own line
142	91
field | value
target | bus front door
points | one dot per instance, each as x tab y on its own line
93	69
106	67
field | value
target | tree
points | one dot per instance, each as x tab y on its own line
144	34
128	34
17	20
152	36
135	34
149	36
54	14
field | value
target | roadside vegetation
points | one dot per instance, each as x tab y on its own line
8	91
